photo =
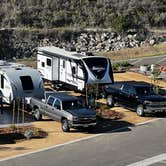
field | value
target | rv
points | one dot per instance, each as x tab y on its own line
72	68
19	81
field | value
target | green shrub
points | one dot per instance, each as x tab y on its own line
121	64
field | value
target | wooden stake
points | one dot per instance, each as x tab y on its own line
13	112
23	111
18	114
86	94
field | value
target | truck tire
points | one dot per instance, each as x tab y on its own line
37	115
65	125
110	101
140	110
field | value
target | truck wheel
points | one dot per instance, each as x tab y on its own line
140	110
65	125
37	114
110	101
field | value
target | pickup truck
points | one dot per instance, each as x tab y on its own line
136	96
67	109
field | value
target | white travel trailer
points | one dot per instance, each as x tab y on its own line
73	68
19	81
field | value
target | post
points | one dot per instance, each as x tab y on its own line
18	114
86	94
13	112
23	111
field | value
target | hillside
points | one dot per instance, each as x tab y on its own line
87	25
119	15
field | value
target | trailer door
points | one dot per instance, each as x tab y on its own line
62	76
55	68
49	68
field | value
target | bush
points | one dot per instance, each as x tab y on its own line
120	15
121	65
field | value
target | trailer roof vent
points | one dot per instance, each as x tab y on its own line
89	54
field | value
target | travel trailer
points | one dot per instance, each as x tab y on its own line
19	81
72	68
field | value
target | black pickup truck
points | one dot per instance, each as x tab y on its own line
136	96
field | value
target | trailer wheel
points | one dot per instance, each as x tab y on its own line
37	115
110	100
65	125
140	110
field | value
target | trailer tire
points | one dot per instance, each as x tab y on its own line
36	114
65	125
140	110
110	101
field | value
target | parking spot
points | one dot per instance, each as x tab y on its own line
7	117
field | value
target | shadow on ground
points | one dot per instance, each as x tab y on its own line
107	125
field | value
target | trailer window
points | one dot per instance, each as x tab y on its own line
73	70
42	64
2	82
48	62
27	83
63	64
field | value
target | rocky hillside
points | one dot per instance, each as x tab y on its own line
87	25
19	43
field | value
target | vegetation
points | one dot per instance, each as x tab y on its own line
132	53
119	66
118	15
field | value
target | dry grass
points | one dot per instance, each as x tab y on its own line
28	61
132	53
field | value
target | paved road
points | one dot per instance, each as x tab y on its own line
158	60
142	143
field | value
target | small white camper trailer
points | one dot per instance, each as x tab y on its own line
73	68
19	81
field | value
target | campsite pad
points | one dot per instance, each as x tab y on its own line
6	117
56	136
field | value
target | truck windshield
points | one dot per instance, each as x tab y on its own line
72	104
145	91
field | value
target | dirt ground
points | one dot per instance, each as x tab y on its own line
56	136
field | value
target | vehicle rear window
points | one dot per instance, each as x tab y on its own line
73	104
50	101
145	90
27	83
